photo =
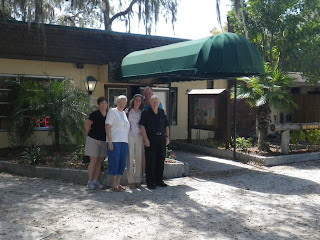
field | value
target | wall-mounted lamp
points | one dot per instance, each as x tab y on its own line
91	83
79	65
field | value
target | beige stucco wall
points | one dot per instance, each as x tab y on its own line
180	131
61	69
4	142
220	84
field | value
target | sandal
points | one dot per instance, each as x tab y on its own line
121	188
115	189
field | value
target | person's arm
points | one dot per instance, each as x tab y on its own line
144	136
167	136
108	133
87	126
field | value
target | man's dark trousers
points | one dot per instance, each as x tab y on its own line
155	156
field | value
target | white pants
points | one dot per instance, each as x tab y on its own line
135	159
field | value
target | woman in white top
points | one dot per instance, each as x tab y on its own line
135	142
117	131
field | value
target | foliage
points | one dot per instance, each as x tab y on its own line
90	13
242	143
65	104
313	136
302	136
297	136
264	92
287	33
269	88
30	11
79	153
170	154
33	155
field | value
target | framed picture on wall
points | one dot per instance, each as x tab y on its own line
113	93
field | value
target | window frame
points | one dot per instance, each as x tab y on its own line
18	79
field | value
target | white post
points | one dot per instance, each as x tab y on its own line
285	139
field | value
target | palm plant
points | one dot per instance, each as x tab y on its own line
265	92
65	104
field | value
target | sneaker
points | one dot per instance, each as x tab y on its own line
91	185
138	185
97	184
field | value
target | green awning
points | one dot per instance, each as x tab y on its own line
221	55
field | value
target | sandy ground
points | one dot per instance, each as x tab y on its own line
220	199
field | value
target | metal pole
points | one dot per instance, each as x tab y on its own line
90	102
235	119
169	106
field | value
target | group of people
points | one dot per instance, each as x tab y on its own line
135	137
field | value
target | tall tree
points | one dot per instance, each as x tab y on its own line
40	11
91	13
285	31
238	10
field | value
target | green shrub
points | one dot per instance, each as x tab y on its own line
297	136
33	155
242	143
170	154
78	153
302	136
313	136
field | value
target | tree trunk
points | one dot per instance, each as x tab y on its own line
106	15
263	119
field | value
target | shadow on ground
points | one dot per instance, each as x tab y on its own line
41	203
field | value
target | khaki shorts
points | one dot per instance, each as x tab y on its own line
95	148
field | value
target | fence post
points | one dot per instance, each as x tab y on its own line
285	139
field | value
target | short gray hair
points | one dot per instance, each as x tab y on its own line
147	88
154	97
121	97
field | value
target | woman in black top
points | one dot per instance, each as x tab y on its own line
96	142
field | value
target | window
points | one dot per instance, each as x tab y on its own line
113	93
6	83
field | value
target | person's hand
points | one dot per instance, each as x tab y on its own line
110	146
167	141
147	143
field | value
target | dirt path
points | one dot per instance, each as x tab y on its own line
242	202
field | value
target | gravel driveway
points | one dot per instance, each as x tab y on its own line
221	199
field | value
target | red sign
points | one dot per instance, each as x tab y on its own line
42	122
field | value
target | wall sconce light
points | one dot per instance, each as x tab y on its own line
91	83
79	65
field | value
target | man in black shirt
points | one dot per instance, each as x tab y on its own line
155	132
